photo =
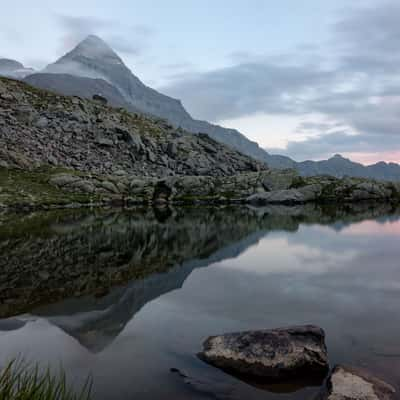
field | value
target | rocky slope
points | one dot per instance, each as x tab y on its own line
40	128
93	67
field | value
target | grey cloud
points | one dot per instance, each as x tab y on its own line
77	28
248	88
368	38
83	24
310	127
129	41
326	145
373	28
121	45
37	63
361	90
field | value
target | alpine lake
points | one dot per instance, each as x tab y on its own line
127	297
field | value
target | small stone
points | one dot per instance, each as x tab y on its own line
52	160
42	122
120	172
105	142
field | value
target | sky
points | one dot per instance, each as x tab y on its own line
307	79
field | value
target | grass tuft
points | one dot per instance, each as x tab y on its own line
22	381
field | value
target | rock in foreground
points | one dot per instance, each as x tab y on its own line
347	383
275	355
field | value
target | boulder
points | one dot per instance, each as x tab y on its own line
279	179
82	186
104	142
63	179
370	191
108	186
311	192
275	355
348	383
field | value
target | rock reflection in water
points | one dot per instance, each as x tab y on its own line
50	256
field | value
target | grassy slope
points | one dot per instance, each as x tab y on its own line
31	188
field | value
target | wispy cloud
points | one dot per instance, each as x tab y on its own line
127	40
354	82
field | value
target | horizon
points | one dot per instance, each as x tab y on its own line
301	94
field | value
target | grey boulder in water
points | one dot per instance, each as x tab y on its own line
276	354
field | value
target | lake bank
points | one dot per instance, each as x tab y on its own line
52	188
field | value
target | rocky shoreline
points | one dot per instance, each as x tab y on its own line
50	188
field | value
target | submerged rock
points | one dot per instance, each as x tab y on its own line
275	354
348	383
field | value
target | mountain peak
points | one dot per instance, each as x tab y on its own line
93	47
90	58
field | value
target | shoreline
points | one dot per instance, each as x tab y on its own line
48	188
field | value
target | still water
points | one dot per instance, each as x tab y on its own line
126	296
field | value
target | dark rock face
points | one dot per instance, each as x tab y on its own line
348	383
275	354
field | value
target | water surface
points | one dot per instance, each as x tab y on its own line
126	296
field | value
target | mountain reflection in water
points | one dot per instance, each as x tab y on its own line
108	281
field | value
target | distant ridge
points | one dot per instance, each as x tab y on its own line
14	69
93	67
339	166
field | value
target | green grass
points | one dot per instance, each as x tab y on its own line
19	188
21	381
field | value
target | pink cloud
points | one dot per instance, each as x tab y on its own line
372	158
